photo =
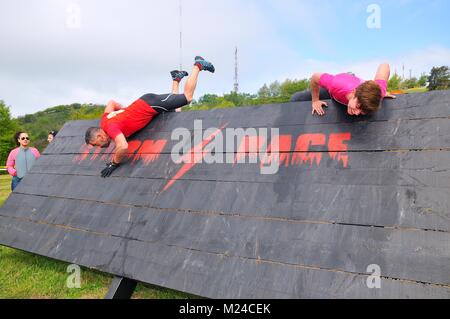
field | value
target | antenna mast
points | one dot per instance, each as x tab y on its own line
236	81
181	35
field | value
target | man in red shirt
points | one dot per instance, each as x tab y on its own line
119	123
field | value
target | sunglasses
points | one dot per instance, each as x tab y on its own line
25	138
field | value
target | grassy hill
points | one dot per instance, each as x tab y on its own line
53	119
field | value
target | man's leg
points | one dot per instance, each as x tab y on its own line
165	102
191	84
171	102
176	90
177	76
175	87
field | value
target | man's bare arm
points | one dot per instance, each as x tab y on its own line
121	148
113	106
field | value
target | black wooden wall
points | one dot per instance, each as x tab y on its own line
363	191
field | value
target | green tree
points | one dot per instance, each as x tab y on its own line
238	99
289	87
223	104
8	127
439	78
264	92
422	80
85	112
275	89
209	99
394	82
410	83
39	124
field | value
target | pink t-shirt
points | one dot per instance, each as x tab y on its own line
340	85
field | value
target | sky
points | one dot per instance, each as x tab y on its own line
55	52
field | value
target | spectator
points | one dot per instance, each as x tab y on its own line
51	136
21	159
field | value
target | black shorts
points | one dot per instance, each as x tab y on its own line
306	95
165	102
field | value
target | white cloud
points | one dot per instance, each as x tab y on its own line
419	61
124	49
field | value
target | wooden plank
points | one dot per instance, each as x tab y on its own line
365	136
401	254
413	106
390	206
431	168
196	272
61	243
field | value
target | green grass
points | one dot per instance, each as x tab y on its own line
27	276
5	188
417	90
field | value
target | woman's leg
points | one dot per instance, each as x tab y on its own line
305	96
15	182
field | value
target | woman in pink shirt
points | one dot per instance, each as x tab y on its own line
361	97
21	159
